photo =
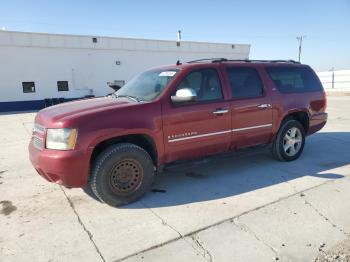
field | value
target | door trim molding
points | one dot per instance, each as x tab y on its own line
197	136
250	127
218	133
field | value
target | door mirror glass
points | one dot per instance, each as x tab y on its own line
184	95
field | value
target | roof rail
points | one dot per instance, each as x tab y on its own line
219	60
207	59
275	61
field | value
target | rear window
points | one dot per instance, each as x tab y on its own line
294	79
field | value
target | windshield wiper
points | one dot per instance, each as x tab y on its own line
135	98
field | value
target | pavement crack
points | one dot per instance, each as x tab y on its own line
246	229
83	226
325	217
181	236
161	219
200	244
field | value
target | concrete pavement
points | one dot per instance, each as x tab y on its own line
246	207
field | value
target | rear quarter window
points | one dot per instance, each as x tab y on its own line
294	79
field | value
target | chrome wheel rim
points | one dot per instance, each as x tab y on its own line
292	141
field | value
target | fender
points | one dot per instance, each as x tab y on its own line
155	137
278	121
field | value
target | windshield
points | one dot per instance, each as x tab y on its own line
147	85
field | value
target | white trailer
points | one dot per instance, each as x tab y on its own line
38	66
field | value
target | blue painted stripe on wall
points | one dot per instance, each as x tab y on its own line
21	105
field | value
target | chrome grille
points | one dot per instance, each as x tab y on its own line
38	142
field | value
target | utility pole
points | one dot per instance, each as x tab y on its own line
178	38
300	41
332	77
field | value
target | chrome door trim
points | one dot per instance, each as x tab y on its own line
198	136
250	127
220	111
217	133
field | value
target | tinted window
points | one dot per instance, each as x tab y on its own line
205	82
245	82
294	79
28	87
62	85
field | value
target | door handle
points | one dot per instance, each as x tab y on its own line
264	106
220	111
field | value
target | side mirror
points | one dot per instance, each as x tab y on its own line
184	95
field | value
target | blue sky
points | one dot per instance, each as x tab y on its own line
270	26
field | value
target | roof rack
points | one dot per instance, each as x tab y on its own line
218	60
207	59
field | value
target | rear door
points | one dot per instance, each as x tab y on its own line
250	106
197	128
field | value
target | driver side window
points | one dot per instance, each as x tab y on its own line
205	82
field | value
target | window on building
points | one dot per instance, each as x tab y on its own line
294	79
245	82
205	82
62	86
28	87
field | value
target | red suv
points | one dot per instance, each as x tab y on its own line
116	144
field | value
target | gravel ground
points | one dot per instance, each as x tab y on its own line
340	252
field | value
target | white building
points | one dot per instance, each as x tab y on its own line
34	66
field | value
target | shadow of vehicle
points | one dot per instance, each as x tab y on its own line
235	174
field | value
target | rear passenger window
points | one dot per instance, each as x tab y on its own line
205	82
245	82
294	79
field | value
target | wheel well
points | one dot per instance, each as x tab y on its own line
302	117
142	141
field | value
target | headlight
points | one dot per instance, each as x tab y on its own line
61	138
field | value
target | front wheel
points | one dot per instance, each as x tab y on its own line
122	174
289	142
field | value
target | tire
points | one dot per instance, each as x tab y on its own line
122	174
282	147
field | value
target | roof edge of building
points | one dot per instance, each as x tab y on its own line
120	38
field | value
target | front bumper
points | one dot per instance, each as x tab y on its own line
67	168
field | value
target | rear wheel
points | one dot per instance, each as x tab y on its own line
122	174
289	142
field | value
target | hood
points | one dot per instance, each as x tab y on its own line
74	109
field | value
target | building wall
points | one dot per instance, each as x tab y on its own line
341	79
88	66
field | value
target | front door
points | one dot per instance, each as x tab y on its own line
198	128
